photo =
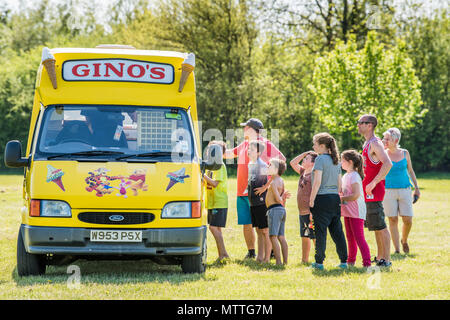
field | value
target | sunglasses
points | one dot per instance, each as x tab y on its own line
363	122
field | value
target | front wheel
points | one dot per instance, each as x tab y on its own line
28	264
196	263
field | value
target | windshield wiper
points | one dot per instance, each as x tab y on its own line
146	154
91	153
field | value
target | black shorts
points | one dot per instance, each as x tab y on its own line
259	216
305	230
217	217
375	216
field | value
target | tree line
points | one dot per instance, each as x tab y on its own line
301	67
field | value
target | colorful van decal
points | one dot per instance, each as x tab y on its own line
103	184
175	177
54	175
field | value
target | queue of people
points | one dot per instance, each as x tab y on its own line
376	183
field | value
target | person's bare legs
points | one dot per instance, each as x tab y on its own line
384	239
379	245
217	233
407	224
306	248
276	249
261	249
249	236
393	228
284	248
267	244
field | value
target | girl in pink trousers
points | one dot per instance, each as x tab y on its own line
353	207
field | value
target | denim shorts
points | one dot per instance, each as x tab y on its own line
276	219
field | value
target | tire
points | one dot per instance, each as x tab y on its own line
195	263
28	264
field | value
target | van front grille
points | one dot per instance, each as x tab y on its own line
119	218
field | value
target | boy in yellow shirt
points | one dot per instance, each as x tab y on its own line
217	202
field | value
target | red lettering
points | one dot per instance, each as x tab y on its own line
141	71
157	73
118	73
96	70
84	71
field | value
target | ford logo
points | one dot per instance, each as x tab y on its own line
116	218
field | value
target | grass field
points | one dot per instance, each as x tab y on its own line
423	274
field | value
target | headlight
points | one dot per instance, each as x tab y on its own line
176	210
51	208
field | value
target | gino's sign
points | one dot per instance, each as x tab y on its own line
122	70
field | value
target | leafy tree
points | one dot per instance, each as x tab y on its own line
429	46
17	79
282	100
320	24
348	82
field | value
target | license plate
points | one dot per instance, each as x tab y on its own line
116	236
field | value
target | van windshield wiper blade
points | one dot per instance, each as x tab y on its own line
146	154
91	153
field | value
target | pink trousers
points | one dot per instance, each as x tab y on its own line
354	229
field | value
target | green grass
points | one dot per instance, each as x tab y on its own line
423	274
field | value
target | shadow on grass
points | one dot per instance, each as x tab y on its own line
259	266
338	272
402	256
112	272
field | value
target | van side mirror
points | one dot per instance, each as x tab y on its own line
13	155
214	158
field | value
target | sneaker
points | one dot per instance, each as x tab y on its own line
317	266
384	263
250	255
343	265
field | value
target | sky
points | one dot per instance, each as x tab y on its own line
102	5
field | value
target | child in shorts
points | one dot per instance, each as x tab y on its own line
276	213
303	195
257	177
217	202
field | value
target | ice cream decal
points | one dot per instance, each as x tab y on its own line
187	67
49	62
175	177
54	175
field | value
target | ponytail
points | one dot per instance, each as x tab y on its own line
334	151
330	143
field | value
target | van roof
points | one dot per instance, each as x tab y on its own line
114	51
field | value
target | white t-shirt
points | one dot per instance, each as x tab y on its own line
355	208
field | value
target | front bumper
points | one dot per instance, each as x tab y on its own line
76	241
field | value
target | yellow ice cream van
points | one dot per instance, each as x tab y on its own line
113	164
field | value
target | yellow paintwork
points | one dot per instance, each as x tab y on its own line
76	195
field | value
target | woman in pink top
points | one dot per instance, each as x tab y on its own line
353	207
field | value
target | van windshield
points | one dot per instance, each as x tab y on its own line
115	132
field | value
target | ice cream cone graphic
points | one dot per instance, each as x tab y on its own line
54	175
49	62
175	177
187	67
